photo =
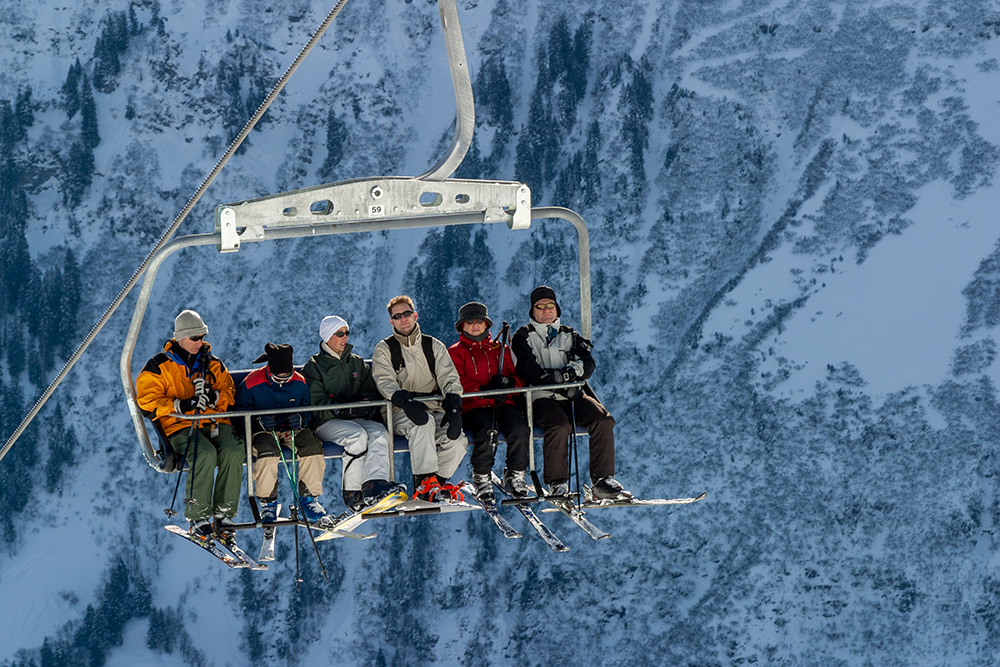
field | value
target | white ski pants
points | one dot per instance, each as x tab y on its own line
430	449
366	449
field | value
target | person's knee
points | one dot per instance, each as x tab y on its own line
561	429
517	431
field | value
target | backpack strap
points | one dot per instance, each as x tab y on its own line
396	353
428	344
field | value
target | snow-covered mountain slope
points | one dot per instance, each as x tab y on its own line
795	250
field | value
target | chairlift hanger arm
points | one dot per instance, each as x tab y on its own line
373	200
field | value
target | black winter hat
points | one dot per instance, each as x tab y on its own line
539	293
278	357
473	311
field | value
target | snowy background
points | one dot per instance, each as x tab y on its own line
796	280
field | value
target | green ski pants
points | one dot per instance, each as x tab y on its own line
222	451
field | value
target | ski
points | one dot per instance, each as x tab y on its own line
490	508
208	545
243	556
576	516
543	531
347	523
267	546
590	503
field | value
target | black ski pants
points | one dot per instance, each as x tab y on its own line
514	426
555	418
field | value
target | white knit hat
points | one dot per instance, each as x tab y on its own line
189	323
330	325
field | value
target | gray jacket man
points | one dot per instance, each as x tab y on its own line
409	364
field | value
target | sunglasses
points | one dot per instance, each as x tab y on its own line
198	338
545	306
341	334
405	313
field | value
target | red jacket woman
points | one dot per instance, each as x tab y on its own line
478	362
477	359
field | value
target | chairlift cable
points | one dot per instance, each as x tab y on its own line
170	231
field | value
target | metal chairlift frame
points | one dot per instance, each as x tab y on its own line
369	205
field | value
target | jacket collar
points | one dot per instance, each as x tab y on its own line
541	328
469	343
407	341
179	355
325	349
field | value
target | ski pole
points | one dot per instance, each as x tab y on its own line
290	474
493	433
170	510
576	458
312	538
293	480
194	430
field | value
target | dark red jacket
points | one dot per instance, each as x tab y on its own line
476	364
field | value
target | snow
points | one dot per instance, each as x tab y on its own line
864	472
897	316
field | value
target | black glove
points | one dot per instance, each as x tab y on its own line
197	402
569	374
213	397
553	376
400	398
294	421
452	405
499	382
199	385
415	411
268	422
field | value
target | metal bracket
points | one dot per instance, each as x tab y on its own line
367	200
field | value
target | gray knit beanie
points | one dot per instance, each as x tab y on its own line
187	324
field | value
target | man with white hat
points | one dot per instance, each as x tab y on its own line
187	378
336	375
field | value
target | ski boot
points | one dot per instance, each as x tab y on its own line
268	514
354	500
224	530
515	484
450	492
428	488
484	487
202	528
608	488
375	490
314	512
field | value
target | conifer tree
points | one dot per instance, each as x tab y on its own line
336	139
590	172
637	107
110	44
47	333
70	90
495	98
69	302
11	131
15	260
77	173
88	115
23	108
